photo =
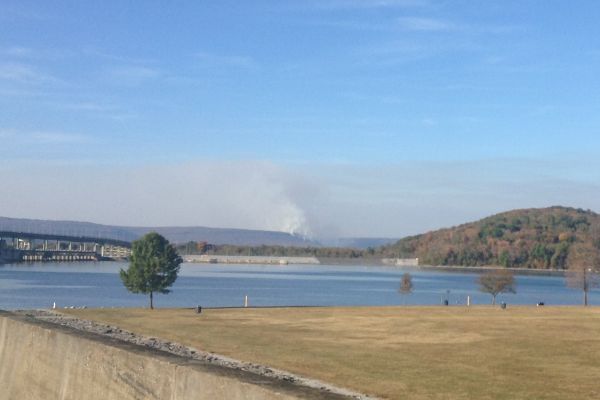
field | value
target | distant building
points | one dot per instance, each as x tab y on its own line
115	252
407	262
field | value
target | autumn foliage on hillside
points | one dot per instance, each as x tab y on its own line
532	238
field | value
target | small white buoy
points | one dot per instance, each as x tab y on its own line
246	301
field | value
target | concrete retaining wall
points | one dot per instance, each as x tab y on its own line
41	361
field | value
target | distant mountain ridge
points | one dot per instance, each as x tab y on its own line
244	237
538	238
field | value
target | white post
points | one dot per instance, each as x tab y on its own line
246	301
468	301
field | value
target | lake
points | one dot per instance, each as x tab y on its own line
38	285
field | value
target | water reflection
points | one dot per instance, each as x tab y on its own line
98	285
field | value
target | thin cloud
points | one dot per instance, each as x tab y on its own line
428	24
86	106
43	137
16	51
395	53
24	73
132	75
21	53
352	25
91	52
425	24
58	138
97	110
349	4
493	60
21	92
20	11
412	49
214	60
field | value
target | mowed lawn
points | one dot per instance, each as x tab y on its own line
399	352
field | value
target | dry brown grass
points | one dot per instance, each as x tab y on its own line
400	352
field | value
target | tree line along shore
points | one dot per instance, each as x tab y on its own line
532	239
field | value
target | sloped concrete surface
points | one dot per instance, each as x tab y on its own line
44	361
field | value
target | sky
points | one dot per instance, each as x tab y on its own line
328	118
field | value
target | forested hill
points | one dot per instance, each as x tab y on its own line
531	238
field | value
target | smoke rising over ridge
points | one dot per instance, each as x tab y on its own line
315	201
252	195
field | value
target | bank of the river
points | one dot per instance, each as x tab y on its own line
359	261
8	256
297	384
371	261
517	271
455	353
335	261
268	260
390	262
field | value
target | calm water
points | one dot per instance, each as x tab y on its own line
210	285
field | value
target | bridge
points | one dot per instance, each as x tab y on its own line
26	246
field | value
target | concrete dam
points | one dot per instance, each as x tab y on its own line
44	361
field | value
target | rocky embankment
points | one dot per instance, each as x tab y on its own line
177	349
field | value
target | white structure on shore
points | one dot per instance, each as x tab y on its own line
401	262
224	259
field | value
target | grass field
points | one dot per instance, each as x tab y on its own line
400	352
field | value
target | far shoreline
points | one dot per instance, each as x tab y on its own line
367	262
517	271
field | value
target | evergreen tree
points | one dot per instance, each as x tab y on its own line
153	268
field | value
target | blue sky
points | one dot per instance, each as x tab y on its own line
353	117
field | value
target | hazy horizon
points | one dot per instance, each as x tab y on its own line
330	118
317	238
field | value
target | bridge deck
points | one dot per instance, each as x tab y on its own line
65	238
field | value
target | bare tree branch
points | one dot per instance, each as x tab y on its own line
584	269
497	281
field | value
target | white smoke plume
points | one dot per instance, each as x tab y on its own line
318	201
249	195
